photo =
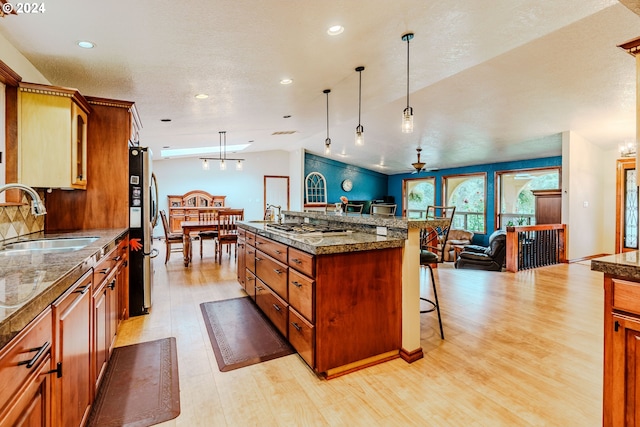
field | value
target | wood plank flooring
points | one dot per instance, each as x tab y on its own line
521	349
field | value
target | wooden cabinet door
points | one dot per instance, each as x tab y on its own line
625	396
113	288
32	407
100	349
241	263
72	340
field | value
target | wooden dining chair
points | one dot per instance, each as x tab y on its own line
227	231
170	239
207	215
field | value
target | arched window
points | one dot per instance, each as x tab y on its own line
315	187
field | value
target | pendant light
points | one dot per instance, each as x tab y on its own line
327	142
407	114
223	165
418	166
222	157
359	128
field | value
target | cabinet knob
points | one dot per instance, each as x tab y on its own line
296	284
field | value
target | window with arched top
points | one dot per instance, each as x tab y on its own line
315	189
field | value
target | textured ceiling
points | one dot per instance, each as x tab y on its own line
490	81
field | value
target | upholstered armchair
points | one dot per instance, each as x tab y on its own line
456	237
490	258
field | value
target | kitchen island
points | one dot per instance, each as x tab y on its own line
354	288
621	336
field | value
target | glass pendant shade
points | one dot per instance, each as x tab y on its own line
205	165
223	165
327	146
239	165
407	120
359	135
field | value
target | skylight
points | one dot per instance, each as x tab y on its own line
197	151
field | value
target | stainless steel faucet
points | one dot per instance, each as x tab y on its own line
279	217
37	207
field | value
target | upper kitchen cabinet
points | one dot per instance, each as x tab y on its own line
52	137
105	203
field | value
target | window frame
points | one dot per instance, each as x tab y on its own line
445	197
498	187
405	201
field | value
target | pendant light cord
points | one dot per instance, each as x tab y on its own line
408	38
359	96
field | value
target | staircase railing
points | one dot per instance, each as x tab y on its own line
535	246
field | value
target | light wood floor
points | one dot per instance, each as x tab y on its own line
521	349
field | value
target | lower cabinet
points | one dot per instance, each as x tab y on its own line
339	311
25	365
73	388
621	406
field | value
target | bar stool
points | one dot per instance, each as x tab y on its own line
432	241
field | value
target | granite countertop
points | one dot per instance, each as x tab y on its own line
626	264
32	281
321	245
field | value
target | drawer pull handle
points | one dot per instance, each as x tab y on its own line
34	359
278	252
249	278
259	288
258	259
616	326
278	271
276	307
295	325
116	259
258	243
83	290
105	270
296	260
112	285
296	284
57	371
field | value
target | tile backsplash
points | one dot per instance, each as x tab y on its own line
16	221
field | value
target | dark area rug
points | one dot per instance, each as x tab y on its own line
140	387
241	335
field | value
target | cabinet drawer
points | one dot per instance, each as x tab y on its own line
302	261
106	266
242	233
250	238
250	284
272	306
274	249
626	296
301	290
250	257
273	273
302	336
15	370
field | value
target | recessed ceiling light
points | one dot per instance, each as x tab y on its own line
335	30
85	44
166	146
202	96
288	116
286	81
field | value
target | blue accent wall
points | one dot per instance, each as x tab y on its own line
395	183
367	184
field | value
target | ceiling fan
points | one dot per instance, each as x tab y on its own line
420	166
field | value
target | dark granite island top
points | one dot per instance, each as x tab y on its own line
32	281
626	264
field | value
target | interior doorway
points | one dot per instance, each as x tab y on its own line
626	205
276	191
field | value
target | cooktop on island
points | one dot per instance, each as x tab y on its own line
309	229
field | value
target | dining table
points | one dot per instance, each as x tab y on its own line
189	227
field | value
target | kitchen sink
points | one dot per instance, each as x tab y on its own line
62	244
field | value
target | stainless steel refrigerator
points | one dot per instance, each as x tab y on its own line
143	214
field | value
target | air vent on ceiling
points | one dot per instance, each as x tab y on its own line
284	132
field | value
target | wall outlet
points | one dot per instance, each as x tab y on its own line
382	231
306	221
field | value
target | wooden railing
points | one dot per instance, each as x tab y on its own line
535	246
